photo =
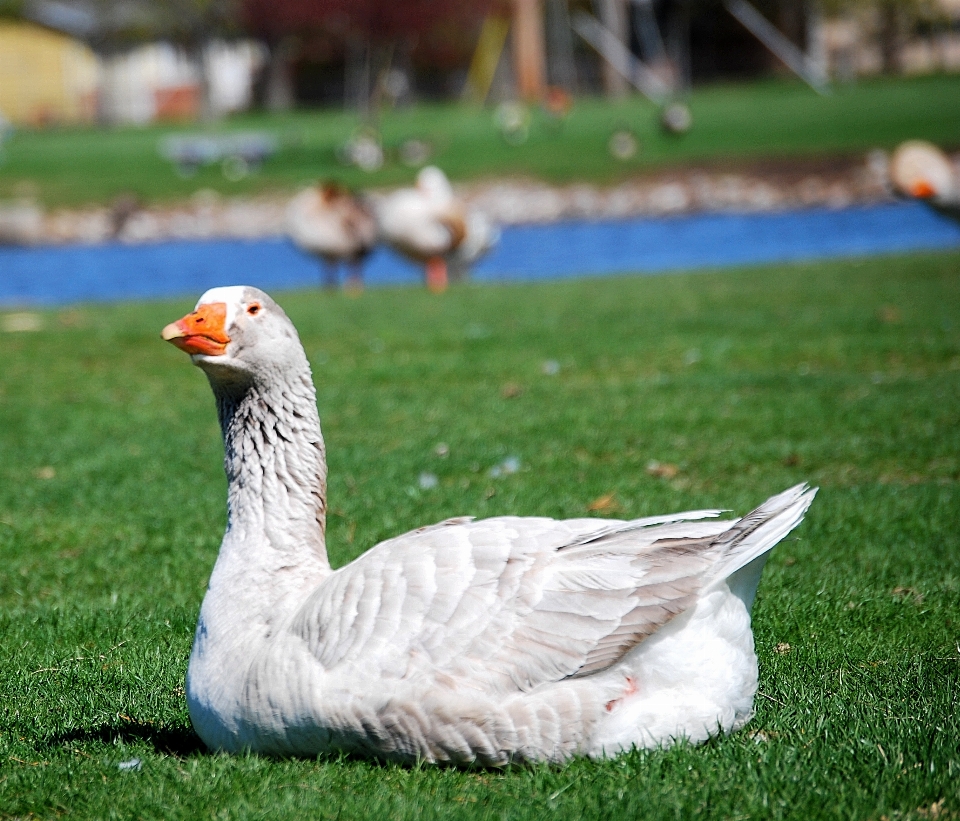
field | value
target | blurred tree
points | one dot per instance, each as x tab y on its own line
185	22
192	24
893	21
112	26
369	33
11	9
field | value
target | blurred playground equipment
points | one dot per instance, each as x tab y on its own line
238	153
337	227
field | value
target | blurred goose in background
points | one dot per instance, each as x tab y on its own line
504	639
428	224
329	222
920	170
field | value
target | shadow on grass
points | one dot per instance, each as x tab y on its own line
176	741
182	742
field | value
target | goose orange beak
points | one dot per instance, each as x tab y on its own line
922	189
201	332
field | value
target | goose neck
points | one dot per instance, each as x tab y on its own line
276	470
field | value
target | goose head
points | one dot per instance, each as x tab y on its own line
239	336
434	185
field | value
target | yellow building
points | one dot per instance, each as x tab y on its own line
45	77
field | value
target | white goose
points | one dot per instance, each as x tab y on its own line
920	170
329	222
467	641
430	225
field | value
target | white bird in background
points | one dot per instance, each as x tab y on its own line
922	171
486	641
329	222
430	225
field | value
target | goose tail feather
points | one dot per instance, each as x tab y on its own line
746	545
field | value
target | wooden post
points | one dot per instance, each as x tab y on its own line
613	15
528	49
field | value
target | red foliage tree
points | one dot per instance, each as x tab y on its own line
376	21
439	34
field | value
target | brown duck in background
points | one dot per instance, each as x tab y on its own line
333	224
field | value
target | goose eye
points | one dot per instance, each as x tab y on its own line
253	309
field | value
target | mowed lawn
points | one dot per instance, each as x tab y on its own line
630	395
733	125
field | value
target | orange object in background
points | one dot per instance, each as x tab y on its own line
177	102
558	102
529	56
436	275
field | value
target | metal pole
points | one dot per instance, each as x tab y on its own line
620	58
768	34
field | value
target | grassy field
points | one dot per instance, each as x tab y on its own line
845	374
733	124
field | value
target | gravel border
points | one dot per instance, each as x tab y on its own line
766	186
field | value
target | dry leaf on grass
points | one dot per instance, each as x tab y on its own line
889	314
906	593
935	810
662	470
605	504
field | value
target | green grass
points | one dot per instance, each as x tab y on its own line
733	124
844	374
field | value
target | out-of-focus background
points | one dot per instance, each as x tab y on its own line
141	121
793	165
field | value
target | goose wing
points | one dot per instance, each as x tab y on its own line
509	603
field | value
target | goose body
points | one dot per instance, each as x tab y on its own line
330	223
484	641
428	224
